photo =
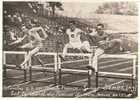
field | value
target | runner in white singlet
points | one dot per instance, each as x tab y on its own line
75	42
35	42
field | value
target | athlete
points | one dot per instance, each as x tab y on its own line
36	36
75	42
104	44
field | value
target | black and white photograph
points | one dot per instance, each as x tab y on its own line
58	49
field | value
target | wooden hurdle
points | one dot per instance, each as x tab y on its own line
9	66
99	73
45	69
58	70
131	77
72	71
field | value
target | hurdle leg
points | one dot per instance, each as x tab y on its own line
4	71
133	74
132	84
89	78
55	78
55	70
132	81
25	73
96	74
60	78
30	73
89	72
59	73
25	70
30	69
4	66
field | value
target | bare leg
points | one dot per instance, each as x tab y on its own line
66	49
28	45
86	46
28	57
98	52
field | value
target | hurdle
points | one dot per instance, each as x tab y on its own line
74	71
29	64
9	66
44	68
131	76
58	70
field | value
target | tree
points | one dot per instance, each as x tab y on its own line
55	5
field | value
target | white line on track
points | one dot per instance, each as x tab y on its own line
110	61
112	65
125	69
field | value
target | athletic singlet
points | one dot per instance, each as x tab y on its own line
35	36
102	37
74	36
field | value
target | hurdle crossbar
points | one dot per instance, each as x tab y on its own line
47	53
14	52
75	70
10	65
23	52
77	54
111	73
38	67
128	56
49	64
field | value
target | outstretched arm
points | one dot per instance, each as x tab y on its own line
18	40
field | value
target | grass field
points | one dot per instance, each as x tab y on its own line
41	84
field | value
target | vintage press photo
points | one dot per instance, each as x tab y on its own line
70	49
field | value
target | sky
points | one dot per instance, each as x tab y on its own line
75	8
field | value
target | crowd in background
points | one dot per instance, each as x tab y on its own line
14	22
14	19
